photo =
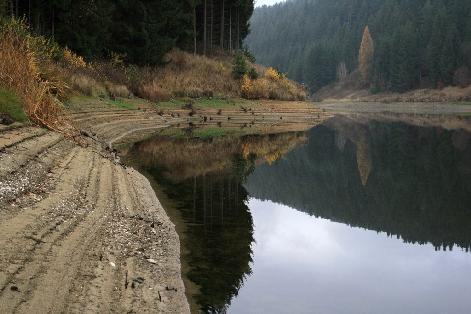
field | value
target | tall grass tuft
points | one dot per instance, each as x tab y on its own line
19	72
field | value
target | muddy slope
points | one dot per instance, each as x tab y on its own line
80	233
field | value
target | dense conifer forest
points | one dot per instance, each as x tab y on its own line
143	31
328	178
420	43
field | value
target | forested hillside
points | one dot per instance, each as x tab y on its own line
143	31
420	43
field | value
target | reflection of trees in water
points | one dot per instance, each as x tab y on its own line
189	157
204	178
218	234
418	184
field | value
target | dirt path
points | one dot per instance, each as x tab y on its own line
80	233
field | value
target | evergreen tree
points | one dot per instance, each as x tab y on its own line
403	57
141	30
3	7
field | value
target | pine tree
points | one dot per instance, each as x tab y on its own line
366	54
3	7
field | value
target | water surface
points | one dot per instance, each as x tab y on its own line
353	216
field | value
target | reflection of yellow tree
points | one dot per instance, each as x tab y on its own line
273	156
363	160
270	149
245	150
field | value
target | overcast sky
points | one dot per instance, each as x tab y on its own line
259	3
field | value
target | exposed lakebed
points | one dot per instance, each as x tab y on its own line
352	216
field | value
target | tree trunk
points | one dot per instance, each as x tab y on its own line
53	24
205	28
230	30
194	198
222	202
222	26
212	26
194	28
238	29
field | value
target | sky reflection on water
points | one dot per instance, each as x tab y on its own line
304	264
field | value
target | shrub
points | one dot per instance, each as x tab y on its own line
239	66
154	92
248	55
246	87
87	85
117	90
272	74
253	74
73	59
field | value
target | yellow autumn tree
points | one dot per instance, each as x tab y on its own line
366	54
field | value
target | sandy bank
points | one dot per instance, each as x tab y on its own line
80	233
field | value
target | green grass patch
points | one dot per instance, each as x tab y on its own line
203	133
11	104
172	104
121	104
206	133
174	133
214	102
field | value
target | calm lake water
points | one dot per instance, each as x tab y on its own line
349	217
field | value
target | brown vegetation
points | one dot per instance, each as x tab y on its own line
183	75
272	85
19	72
42	74
337	92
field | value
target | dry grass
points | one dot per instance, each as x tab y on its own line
87	85
183	75
19	72
197	76
340	91
117	90
154	91
272	85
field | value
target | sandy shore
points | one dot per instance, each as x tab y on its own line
81	233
